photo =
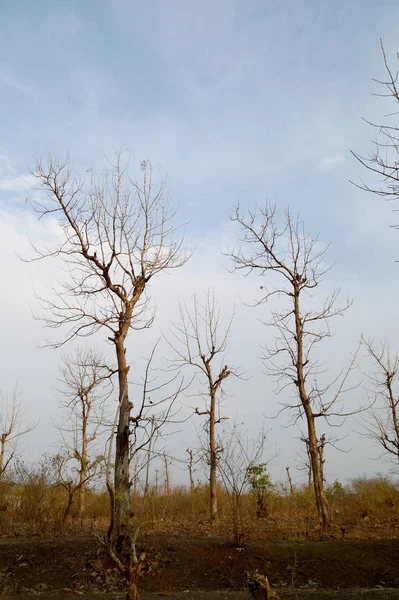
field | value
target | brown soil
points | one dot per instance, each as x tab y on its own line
186	567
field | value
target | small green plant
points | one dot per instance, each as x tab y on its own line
335	491
261	487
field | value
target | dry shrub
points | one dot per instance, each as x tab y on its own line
33	503
31	500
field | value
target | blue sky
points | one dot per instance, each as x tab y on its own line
236	101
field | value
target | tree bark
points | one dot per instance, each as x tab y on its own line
290	481
2	453
122	479
318	486
213	500
83	466
190	470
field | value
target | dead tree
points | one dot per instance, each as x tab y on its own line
383	160
11	428
117	233
167	486
297	263
84	388
190	468
381	421
239	454
197	341
291	485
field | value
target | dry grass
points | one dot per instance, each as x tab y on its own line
368	508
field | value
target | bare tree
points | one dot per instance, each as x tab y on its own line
117	233
239	453
191	468
197	342
291	485
298	262
381	421
167	486
83	393
153	413
383	160
11	428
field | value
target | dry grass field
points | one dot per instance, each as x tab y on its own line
41	556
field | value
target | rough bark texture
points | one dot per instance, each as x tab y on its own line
190	469
213	461
122	479
318	484
3	440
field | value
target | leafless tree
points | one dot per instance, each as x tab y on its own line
84	388
154	410
117	233
11	428
197	341
297	262
238	454
381	421
191	468
383	160
291	485
167	486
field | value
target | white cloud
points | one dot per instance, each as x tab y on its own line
329	162
18	184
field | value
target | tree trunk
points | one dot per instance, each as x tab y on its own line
318	485
81	496
122	479
68	507
322	460
2	454
167	477
310	478
190	470
290	481
213	501
83	469
321	500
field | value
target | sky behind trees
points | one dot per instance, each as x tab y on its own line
235	102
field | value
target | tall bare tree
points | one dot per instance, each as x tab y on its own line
152	413
197	342
297	261
381	421
11	428
83	393
117	233
383	160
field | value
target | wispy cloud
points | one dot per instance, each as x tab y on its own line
9	78
18	184
327	163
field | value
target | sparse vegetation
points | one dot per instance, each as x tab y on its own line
32	498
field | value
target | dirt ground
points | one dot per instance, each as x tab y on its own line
183	568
